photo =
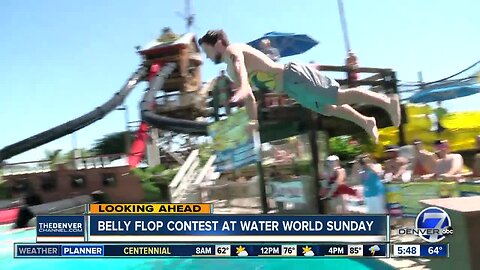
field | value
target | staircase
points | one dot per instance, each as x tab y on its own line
185	186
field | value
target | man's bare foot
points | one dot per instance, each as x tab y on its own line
371	128
394	110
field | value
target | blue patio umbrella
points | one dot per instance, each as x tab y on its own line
445	92
287	43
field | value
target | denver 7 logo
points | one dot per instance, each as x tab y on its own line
434	224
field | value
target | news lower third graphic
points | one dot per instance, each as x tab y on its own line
139	223
432	225
374	249
420	250
150	208
61	228
91	250
190	230
229	228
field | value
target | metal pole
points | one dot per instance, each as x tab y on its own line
401	129
127	130
420	80
261	182
343	22
74	150
74	141
257	140
313	128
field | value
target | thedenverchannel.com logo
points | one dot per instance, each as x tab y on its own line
432	225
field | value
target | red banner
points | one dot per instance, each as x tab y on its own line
138	146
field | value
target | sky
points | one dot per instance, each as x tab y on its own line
61	59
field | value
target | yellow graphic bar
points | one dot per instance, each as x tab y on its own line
151	208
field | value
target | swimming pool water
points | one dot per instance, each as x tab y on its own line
7	238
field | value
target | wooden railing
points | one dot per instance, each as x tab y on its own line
185	187
205	170
178	182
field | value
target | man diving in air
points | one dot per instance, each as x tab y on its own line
303	83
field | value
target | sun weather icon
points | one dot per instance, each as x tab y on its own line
307	251
374	249
241	251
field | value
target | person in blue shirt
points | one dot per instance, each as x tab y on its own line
369	174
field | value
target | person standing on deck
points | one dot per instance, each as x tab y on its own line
439	112
336	185
369	174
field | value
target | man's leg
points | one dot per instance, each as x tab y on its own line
312	90
359	96
346	112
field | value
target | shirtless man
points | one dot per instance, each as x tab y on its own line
448	166
395	164
424	160
303	83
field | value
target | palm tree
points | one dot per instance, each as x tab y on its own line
82	153
54	158
113	143
70	156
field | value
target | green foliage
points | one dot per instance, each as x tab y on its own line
303	167
167	175
147	173
366	142
55	158
205	152
156	169
152	178
143	174
113	143
152	191
345	147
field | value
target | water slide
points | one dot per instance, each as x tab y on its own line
147	106
75	124
148	103
148	116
